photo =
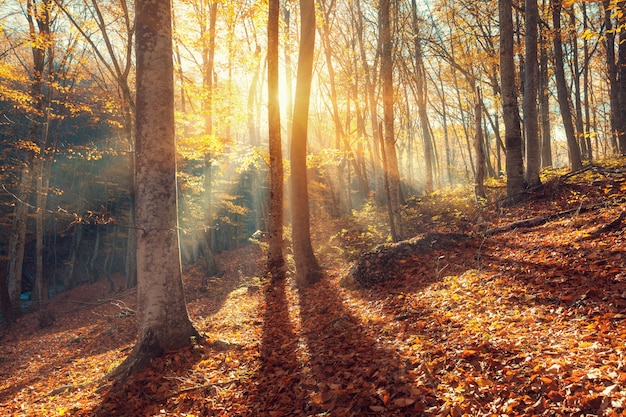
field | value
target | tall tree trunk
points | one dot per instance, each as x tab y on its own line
392	221
544	103
510	109
386	75
562	92
275	258
621	65
163	320
531	81
479	179
17	241
609	35
578	111
209	63
421	99
372	102
308	270
444	122
40	286
587	127
288	68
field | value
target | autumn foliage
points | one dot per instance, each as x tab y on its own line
528	321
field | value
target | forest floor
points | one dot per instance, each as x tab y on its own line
529	321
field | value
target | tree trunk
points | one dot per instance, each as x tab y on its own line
621	65
510	109
587	126
544	104
386	75
17	241
308	270
275	258
208	64
420	80
562	92
609	35
575	70
392	221
372	103
531	81
163	320
479	179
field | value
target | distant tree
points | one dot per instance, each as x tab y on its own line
544	102
386	75
421	94
612	72
275	258
479	177
116	29
510	109
308	270
38	15
562	91
163	320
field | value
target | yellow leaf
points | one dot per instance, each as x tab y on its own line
483	382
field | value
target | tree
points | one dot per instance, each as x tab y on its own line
386	74
479	177
621	76
421	92
42	47
544	103
163	320
612	72
510	110
531	86
117	64
275	258
562	91
308	270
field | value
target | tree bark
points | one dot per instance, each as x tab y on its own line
275	258
308	270
621	65
562	92
420	80
609	43
386	74
163	320
479	178
208	65
531	83
544	104
512	130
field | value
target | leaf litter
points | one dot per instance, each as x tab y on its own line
524	322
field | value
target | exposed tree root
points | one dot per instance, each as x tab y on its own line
538	221
610	227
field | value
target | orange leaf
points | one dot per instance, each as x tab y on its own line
403	402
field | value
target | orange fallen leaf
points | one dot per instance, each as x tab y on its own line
403	402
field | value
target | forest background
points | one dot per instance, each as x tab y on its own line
408	100
68	103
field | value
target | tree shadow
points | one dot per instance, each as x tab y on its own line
571	274
278	388
151	389
352	373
